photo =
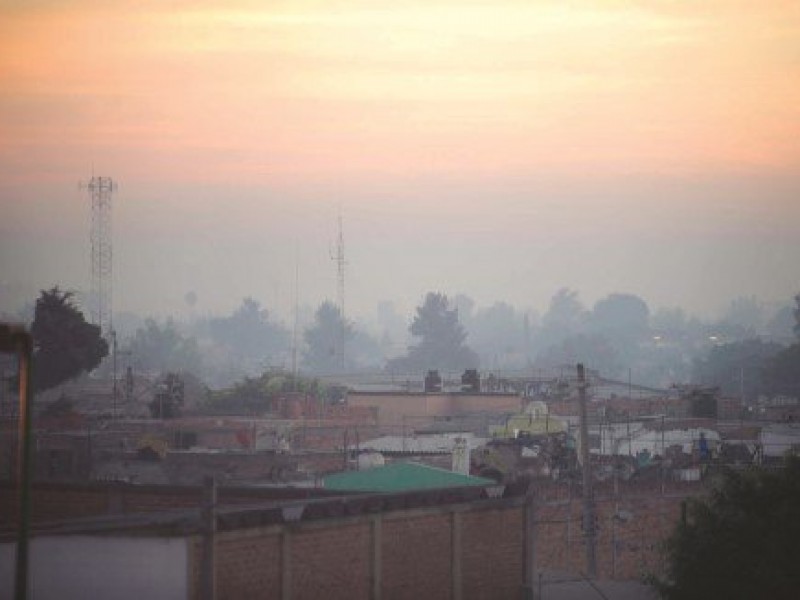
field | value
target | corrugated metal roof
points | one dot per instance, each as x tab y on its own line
401	477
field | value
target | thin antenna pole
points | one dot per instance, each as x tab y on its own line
340	264
588	496
296	315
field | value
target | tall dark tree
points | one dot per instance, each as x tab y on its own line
731	365
796	312
249	332
780	326
747	312
65	345
623	318
441	339
161	348
594	350
742	542
564	317
782	373
324	340
496	332
673	325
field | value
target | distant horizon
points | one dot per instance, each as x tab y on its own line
188	314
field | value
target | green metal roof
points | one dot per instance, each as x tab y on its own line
399	477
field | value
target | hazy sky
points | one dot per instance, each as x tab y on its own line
499	148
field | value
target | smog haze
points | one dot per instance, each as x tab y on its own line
501	150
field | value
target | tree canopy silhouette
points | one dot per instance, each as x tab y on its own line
782	373
742	542
162	348
324	340
65	345
441	336
250	332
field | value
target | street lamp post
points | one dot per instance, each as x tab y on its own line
15	339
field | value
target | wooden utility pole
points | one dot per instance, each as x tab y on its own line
588	496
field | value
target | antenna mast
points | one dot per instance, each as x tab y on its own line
340	264
296	317
100	304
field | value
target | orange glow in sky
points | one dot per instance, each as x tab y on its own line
548	142
260	91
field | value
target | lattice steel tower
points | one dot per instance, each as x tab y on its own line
338	257
100	304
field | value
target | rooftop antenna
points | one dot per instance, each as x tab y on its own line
338	256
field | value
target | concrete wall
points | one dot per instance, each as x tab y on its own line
80	567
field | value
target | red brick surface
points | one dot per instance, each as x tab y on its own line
627	546
332	557
417	560
248	566
331	563
492	553
335	561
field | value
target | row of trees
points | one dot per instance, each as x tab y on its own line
619	332
753	367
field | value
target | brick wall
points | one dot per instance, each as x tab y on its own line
631	528
247	565
449	549
331	562
491	559
459	551
416	552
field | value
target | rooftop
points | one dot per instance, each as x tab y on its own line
399	477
